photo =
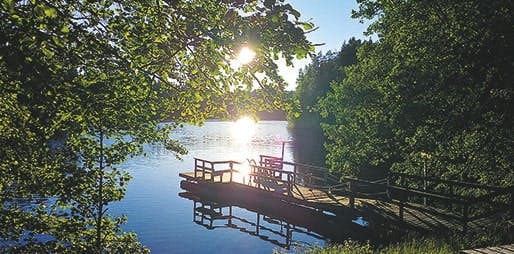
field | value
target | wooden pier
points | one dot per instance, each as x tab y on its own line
436	206
296	183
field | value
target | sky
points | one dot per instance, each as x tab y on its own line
333	17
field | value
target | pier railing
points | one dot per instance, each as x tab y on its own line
304	174
445	198
271	174
210	170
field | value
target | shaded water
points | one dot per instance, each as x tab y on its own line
164	221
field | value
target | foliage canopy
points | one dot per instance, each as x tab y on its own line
83	86
439	82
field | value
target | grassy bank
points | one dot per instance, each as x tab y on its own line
414	246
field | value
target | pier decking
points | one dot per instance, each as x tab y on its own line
504	249
278	189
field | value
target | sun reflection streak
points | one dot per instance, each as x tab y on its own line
243	130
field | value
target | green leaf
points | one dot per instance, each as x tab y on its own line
50	12
47	52
65	29
307	25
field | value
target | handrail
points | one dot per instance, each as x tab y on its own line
465	202
218	162
305	165
410	190
272	169
488	196
452	182
208	168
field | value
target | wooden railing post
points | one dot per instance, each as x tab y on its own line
401	205
425	184
212	172
351	195
196	168
289	185
258	225
294	171
388	183
465	217
231	170
512	201
230	215
203	169
403	197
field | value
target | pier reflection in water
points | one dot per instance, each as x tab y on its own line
273	230
284	225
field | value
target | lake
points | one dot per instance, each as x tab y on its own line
163	220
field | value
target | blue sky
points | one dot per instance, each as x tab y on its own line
333	17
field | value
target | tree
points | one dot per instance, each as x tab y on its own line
84	86
438	82
313	83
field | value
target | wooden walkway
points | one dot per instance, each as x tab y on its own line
395	199
504	249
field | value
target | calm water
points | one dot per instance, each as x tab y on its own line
164	221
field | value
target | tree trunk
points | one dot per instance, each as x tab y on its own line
100	196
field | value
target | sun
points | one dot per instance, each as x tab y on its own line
245	56
243	129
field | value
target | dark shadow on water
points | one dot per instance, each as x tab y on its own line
308	146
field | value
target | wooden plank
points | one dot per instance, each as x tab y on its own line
504	249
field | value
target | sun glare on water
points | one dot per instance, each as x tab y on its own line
243	129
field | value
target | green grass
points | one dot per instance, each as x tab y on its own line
414	246
419	246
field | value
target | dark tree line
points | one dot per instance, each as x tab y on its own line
436	89
313	84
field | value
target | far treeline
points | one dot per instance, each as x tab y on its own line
436	90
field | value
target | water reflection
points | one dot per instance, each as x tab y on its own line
273	230
283	224
309	146
163	220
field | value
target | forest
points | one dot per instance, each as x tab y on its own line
432	96
436	89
